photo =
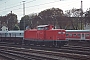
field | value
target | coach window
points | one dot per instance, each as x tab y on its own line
70	35
0	34
15	34
67	35
10	34
87	35
78	35
82	35
5	34
20	33
74	34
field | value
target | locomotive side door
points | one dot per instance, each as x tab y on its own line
40	34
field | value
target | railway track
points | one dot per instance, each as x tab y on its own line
72	52
45	53
30	54
79	43
17	55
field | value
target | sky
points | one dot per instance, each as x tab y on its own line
36	6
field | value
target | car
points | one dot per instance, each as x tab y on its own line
78	34
11	36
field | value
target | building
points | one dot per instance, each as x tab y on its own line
4	28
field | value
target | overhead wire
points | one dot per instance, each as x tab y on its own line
30	6
3	3
16	5
45	4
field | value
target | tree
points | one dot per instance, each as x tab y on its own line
16	27
76	18
53	16
9	20
24	21
28	20
73	12
87	16
33	20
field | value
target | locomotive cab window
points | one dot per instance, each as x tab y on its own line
46	28
40	28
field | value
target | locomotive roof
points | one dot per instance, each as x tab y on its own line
42	25
77	30
57	29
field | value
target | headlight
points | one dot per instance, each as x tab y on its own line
59	32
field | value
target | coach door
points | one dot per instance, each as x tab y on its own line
82	36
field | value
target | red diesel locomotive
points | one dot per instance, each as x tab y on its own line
45	35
